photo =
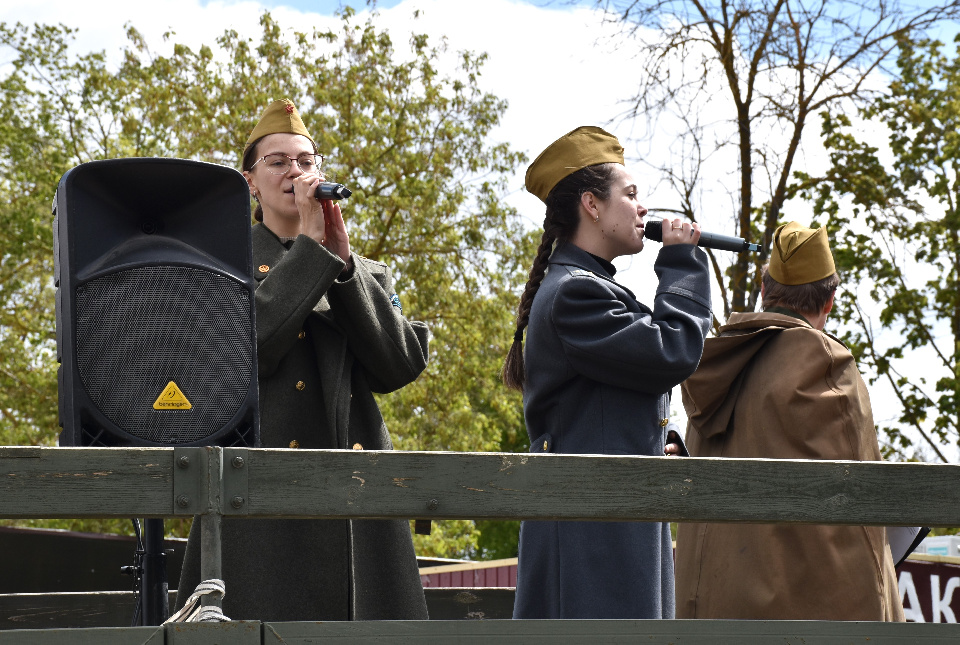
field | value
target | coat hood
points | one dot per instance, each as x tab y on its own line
710	395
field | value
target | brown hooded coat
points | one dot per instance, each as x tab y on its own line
771	386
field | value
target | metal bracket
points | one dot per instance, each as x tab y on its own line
236	468
210	479
189	480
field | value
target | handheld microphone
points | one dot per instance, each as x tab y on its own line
331	190
653	230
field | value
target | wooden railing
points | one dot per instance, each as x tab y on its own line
259	483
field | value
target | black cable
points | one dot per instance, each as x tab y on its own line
137	572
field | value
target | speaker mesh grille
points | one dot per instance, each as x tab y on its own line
141	328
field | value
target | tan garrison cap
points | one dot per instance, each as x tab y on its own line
800	255
585	146
280	116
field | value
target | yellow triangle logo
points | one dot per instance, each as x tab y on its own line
171	399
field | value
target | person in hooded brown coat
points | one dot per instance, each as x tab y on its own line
330	333
775	385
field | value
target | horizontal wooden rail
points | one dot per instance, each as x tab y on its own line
49	483
163	482
116	608
529	632
654	632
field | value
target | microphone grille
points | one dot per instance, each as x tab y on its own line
653	230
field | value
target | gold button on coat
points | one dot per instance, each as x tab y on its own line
294	444
263	268
302	335
357	446
545	444
663	424
301	385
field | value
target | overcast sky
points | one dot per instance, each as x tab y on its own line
555	62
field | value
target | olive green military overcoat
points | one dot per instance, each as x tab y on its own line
325	344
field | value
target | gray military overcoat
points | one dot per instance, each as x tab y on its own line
324	346
599	370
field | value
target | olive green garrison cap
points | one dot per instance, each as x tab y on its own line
586	146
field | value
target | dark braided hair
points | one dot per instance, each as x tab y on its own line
559	224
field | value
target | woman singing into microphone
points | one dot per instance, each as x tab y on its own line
597	372
330	333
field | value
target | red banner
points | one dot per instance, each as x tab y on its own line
927	589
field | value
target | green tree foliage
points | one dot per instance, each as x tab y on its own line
739	80
34	155
896	223
411	141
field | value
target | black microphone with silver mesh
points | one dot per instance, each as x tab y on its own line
653	230
331	190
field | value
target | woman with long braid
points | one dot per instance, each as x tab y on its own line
597	373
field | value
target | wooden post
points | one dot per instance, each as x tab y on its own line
211	519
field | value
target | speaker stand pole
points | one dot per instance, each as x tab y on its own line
153	584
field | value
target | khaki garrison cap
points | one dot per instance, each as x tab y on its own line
585	146
280	116
800	255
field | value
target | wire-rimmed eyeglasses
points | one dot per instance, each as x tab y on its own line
279	164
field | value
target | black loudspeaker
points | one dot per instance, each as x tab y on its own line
156	336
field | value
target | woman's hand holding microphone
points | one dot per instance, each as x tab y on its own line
321	219
678	231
